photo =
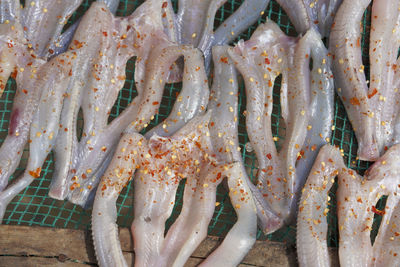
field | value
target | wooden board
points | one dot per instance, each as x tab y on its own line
40	246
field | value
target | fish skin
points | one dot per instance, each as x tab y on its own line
28	30
148	233
103	61
321	14
350	82
268	53
9	10
312	226
26	97
43	22
52	78
356	199
225	140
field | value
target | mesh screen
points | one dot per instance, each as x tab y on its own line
33	207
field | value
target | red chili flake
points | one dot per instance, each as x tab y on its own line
212	124
354	101
165	4
10	45
267	61
105	34
35	174
14	74
219	176
78	44
358	42
224	60
84	176
197	144
25	91
65	129
264	170
160	155
376	211
164	14
155	103
374	92
51	51
269	156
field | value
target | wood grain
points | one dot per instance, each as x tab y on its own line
40	246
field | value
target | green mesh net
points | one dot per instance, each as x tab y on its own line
33	207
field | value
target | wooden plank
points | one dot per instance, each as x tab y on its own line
275	253
38	246
7	261
46	242
193	262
